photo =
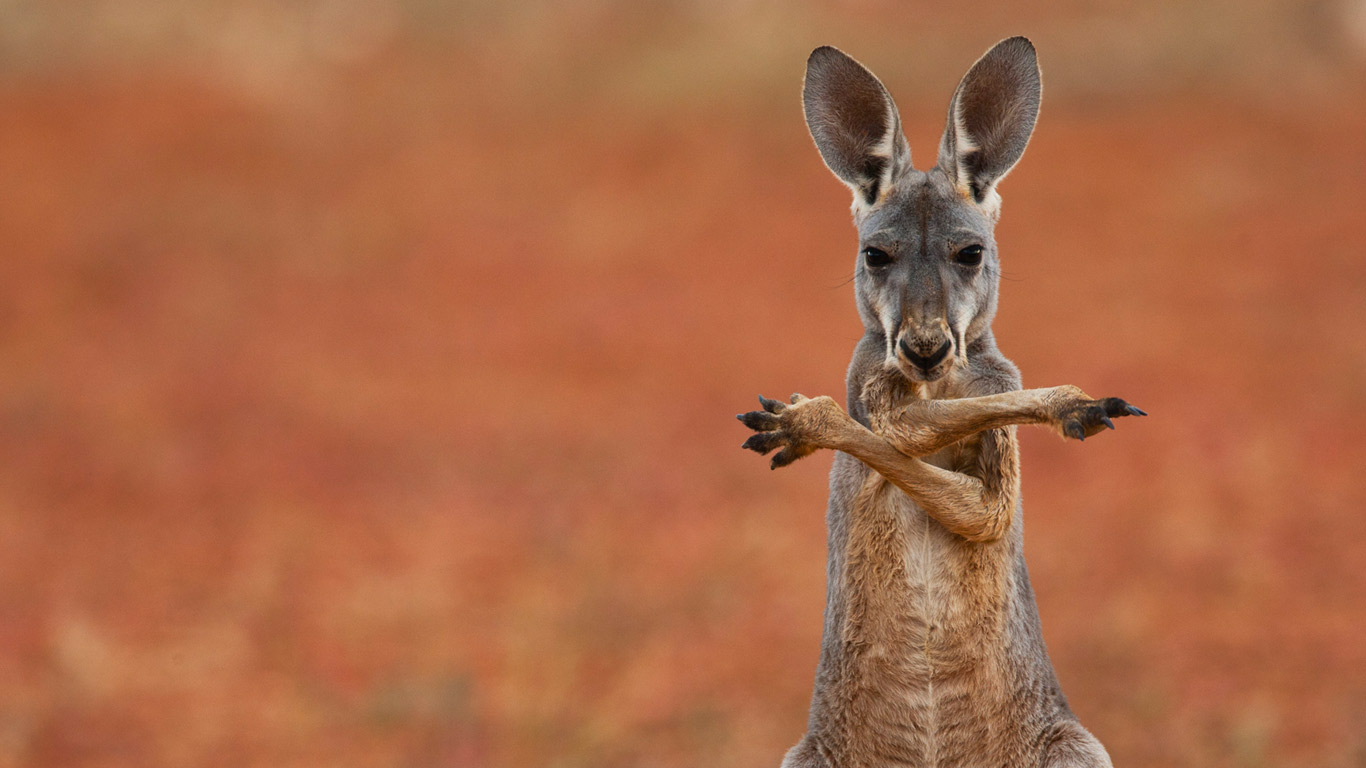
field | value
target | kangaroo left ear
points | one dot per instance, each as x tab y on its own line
854	123
991	118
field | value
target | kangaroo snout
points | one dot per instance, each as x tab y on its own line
923	353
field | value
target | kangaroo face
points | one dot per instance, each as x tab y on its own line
927	273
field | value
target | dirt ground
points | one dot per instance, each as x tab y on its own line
385	424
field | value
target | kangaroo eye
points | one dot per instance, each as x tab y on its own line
876	257
970	256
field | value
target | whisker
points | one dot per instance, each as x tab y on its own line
846	281
1005	275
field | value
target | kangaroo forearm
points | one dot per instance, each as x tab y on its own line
961	503
928	426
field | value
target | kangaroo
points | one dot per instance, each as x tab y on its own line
932	652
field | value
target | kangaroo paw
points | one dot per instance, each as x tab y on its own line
795	429
1082	417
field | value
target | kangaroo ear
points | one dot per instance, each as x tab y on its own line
854	123
991	118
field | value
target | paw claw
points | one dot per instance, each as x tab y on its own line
772	406
759	421
784	457
1075	430
1135	410
763	442
1106	421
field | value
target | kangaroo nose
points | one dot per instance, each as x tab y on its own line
921	362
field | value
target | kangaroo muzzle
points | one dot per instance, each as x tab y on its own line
925	354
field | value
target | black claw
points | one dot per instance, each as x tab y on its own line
1075	430
1114	406
772	406
1107	422
783	458
759	421
763	442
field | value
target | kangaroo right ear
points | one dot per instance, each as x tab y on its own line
855	124
991	118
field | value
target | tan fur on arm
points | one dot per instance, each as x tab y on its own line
922	427
978	502
977	508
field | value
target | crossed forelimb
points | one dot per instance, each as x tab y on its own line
977	504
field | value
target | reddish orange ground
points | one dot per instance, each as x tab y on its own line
388	429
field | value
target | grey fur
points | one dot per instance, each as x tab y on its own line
932	652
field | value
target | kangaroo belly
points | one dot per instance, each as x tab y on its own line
921	662
917	587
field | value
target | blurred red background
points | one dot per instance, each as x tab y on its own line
367	373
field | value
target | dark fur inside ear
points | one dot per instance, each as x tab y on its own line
992	116
850	115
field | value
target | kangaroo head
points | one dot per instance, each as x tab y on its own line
928	271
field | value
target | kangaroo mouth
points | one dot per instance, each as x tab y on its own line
921	375
926	368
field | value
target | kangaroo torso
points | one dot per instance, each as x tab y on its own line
932	643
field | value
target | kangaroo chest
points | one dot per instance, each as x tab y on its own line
917	590
922	636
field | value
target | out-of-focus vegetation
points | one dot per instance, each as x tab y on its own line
367	371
